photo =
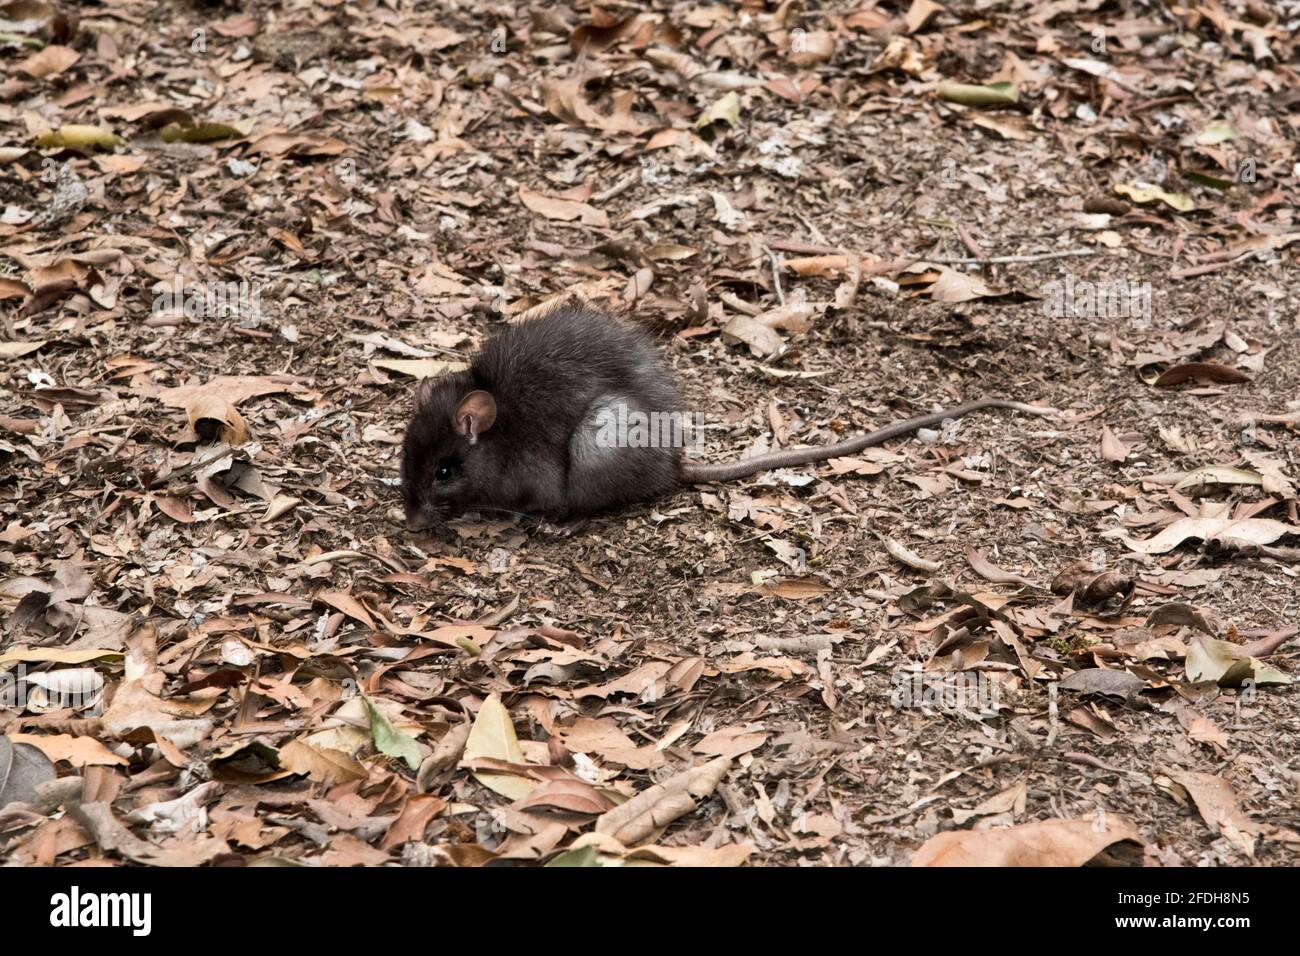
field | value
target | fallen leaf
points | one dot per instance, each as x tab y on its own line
321	764
78	751
1209	371
1042	843
77	136
51	61
1112	449
661	804
1250	530
493	735
214	419
1141	193
391	741
991	94
1217	803
564	210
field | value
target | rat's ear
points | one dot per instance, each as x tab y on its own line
475	414
424	394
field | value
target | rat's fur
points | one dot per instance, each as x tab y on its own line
520	430
550	378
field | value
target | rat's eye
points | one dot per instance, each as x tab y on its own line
442	472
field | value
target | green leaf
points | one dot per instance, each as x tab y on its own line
1205	179
586	856
391	741
991	94
203	133
1218	661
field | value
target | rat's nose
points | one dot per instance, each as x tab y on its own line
421	519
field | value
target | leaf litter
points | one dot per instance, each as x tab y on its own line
218	642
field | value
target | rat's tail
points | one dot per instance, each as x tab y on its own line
790	457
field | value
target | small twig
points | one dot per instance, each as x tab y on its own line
1208	267
811	227
776	274
999	260
622	186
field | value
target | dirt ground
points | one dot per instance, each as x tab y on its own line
198	490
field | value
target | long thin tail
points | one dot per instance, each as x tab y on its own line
790	457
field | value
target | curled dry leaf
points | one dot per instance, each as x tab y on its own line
322	764
1178	614
567	796
446	754
1093	585
952	286
23	768
1201	729
660	805
795	589
51	61
1211	475
420	368
564	210
112	837
1206	371
730	742
992	94
1042	843
136	705
1218	805
1247	530
187	813
390	740
762	339
1107	682
909	558
989	571
214	419
1140	193
1225	663
1112	449
1271	475
610	851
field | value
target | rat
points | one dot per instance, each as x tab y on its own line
538	424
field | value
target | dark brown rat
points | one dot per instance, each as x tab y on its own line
539	423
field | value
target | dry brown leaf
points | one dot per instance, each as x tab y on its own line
659	805
214	419
731	742
78	751
1217	803
493	735
1250	530
191	849
1042	843
989	571
731	854
322	764
1207	371
1112	449
565	210
51	61
136	704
